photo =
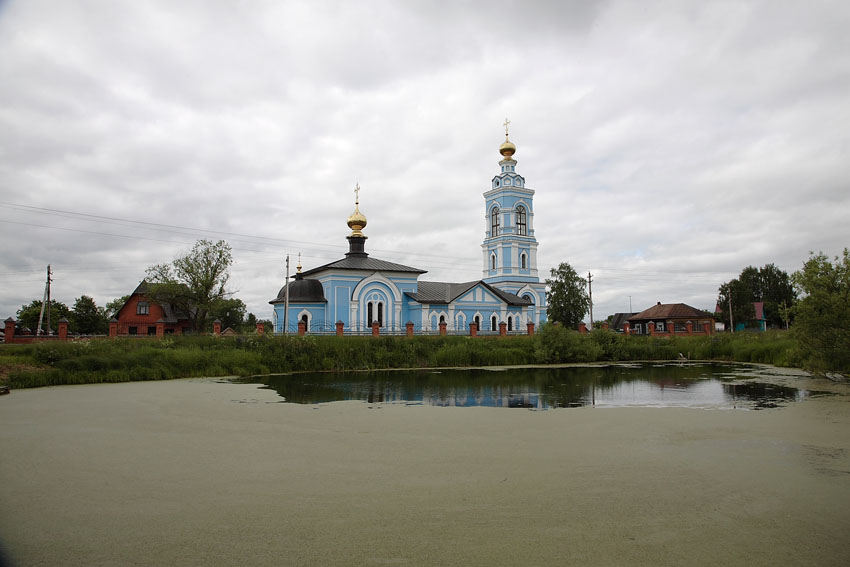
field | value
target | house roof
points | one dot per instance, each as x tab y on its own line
668	311
619	319
363	262
446	292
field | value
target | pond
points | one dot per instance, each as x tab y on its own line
698	385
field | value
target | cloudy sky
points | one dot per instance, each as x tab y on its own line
670	144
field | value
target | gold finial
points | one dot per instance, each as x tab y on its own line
299	263
357	220
507	148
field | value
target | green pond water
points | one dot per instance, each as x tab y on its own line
699	385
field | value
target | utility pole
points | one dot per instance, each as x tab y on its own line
590	298
286	298
45	301
630	304
731	323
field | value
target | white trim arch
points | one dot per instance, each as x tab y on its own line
301	316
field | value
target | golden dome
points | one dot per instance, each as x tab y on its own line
507	149
357	220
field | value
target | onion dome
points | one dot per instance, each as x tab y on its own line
507	149
357	220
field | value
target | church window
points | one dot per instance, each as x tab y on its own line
492	261
508	181
522	261
380	314
477	322
442	319
518	182
510	323
495	183
143	308
493	323
521	226
494	222
369	314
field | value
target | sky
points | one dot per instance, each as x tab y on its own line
670	144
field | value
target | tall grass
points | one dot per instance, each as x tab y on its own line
122	360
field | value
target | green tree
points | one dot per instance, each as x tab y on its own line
28	314
822	316
195	282
767	284
566	296
87	318
113	307
231	313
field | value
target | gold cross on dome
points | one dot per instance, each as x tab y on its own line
506	126
357	194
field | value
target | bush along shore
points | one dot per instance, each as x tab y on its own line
123	360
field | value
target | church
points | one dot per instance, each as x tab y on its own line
359	290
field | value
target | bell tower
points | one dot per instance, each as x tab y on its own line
509	250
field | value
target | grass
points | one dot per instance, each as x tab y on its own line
123	360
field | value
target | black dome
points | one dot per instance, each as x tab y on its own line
302	291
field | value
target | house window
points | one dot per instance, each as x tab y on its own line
659	326
133	330
521	226
494	222
142	308
151	331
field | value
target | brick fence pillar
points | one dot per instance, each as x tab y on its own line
113	328
671	327
530	327
340	328
627	329
651	327
503	329
160	328
63	329
376	329
261	328
302	328
217	327
408	328
690	327
582	328
473	329
9	330
443	328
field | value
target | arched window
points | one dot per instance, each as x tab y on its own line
380	314
510	323
369	314
521	226
442	319
494	222
493	261
493	323
523	263
477	323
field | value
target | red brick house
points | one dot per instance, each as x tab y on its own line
141	316
669	319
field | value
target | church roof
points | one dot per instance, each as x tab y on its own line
445	292
302	291
358	262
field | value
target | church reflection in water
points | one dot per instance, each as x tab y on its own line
662	385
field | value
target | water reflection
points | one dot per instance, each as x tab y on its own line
662	385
